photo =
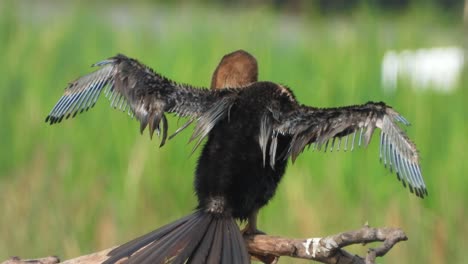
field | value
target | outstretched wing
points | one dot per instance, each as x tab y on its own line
133	87
342	128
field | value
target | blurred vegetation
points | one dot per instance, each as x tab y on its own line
94	182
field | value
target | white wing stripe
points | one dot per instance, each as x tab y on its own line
95	95
409	174
382	139
64	109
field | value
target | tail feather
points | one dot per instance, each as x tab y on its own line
200	231
204	247
227	245
239	250
215	251
198	238
165	249
173	245
131	247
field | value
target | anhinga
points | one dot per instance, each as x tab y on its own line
252	129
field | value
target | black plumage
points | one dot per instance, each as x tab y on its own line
253	128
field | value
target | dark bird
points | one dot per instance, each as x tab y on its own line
252	129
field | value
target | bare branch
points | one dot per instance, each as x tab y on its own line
327	249
46	260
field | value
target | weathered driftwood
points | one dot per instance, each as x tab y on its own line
327	249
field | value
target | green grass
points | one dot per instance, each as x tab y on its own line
94	182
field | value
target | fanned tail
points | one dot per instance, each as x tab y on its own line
201	237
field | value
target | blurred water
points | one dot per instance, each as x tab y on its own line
434	68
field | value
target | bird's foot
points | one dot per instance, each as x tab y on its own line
267	259
251	231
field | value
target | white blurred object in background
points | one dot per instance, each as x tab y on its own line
436	68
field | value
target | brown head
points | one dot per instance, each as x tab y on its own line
235	69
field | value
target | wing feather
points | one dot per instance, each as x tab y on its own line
128	84
321	127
